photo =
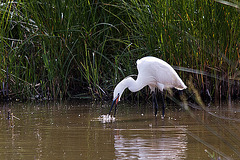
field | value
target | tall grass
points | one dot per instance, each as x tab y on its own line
56	49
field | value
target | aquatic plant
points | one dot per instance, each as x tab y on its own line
81	49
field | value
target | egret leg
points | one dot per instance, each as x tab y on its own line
163	104
155	105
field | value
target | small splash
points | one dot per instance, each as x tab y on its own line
105	118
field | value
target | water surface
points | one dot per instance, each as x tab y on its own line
80	131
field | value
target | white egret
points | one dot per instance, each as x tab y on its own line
152	72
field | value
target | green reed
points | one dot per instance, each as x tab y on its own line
56	49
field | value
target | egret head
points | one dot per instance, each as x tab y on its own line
118	91
121	86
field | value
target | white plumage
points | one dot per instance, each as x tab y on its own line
153	72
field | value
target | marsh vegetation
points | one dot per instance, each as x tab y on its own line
81	49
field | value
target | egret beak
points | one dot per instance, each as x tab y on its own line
114	102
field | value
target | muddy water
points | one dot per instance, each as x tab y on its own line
82	131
